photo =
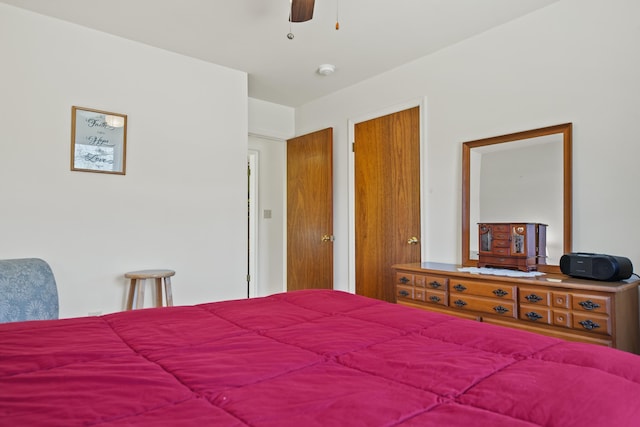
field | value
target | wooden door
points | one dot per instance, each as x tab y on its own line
387	200
310	211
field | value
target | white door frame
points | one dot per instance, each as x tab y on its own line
253	223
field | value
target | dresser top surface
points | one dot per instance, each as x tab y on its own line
547	279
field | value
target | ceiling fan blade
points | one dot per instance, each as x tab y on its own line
301	10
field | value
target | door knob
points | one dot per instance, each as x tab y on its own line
327	238
413	241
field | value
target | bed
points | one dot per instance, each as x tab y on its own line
306	358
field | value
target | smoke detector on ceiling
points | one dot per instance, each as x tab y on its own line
326	69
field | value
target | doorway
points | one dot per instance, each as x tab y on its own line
267	216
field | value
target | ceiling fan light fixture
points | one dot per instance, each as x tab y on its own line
326	69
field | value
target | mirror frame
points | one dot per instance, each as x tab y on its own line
566	129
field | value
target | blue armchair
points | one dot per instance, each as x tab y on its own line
28	290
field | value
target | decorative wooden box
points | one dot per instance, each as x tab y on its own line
512	245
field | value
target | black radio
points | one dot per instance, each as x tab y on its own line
596	266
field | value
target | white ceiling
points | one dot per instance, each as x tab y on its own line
251	35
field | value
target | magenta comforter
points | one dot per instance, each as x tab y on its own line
306	358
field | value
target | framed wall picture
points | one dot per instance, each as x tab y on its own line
98	141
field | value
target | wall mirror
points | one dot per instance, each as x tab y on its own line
98	141
519	177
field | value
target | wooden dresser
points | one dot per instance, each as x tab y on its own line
604	313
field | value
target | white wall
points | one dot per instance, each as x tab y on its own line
573	61
270	120
182	203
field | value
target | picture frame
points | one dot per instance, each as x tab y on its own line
98	141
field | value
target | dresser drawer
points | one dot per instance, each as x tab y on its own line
501	244
534	296
591	323
502	260
560	299
536	314
419	280
591	303
499	251
485	305
562	318
493	290
403	291
436	297
437	283
404	279
501	228
419	294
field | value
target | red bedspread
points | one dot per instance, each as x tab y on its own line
306	358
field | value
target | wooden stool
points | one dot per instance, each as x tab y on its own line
138	280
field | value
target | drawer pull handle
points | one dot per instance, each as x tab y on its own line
460	303
500	309
435	284
533	298
589	325
404	293
434	298
403	280
500	293
532	315
589	305
459	288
